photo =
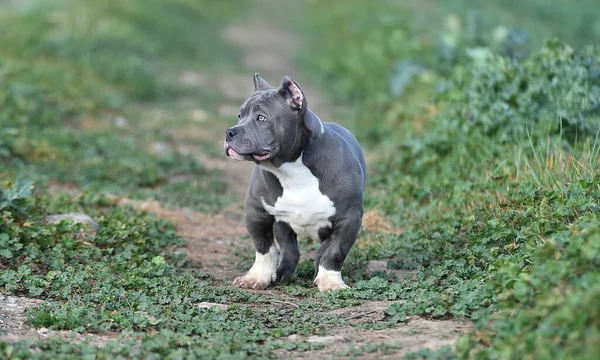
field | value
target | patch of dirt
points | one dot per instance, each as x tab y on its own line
211	240
55	187
193	78
268	49
368	312
382	266
375	222
414	335
13	327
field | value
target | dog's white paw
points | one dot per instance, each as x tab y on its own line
262	273
251	281
328	280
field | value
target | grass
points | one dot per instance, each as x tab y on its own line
484	133
89	63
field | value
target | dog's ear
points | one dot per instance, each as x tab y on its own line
260	84
291	92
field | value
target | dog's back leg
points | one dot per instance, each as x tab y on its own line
290	252
333	251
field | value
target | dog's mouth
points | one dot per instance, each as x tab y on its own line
261	157
244	157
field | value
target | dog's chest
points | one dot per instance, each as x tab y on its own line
302	205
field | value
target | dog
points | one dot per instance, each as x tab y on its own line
309	182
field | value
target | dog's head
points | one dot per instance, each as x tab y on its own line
270	123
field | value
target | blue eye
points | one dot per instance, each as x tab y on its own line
261	118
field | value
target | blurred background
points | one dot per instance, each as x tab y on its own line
102	86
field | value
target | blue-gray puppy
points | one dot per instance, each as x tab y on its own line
309	182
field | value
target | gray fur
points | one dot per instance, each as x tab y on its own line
328	150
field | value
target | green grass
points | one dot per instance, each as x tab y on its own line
128	279
486	155
72	64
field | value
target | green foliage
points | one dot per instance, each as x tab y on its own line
554	92
549	303
494	183
84	61
126	278
118	165
108	43
14	198
162	344
36	94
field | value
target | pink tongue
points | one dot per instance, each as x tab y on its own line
260	157
235	155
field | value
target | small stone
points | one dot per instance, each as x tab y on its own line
43	331
381	265
294	337
325	339
376	265
77	218
208	305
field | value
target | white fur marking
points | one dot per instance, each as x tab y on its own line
263	272
329	280
302	204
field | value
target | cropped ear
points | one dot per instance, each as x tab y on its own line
291	92
260	84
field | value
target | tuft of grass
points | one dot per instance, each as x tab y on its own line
554	167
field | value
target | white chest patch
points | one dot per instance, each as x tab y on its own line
302	205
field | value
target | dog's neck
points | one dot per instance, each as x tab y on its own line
309	129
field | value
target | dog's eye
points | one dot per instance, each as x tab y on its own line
261	118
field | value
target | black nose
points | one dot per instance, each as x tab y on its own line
230	133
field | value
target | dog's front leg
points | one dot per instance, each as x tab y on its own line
264	270
333	251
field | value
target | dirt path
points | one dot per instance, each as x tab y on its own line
268	49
